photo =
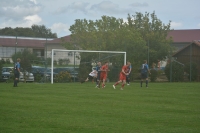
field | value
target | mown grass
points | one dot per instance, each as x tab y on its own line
81	108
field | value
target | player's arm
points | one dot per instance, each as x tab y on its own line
123	71
148	69
130	70
18	68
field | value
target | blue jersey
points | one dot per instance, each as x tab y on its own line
144	68
17	65
98	69
129	68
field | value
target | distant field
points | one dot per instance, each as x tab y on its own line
81	108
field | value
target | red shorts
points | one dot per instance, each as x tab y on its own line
103	76
122	77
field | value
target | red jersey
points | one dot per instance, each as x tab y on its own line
125	68
104	70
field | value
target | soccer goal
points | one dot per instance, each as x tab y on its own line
73	60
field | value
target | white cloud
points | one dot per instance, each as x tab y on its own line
18	9
137	4
27	21
73	8
59	27
109	7
34	1
175	25
34	19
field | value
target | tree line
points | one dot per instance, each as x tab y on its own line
34	31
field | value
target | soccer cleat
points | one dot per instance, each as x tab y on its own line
97	86
121	89
128	84
114	86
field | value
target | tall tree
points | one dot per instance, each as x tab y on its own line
43	31
154	33
26	57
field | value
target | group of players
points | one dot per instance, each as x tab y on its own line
100	74
101	71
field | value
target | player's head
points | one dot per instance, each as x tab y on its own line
145	61
106	63
99	63
128	63
18	59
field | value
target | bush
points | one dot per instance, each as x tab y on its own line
7	61
63	77
153	75
194	71
177	72
3	61
37	77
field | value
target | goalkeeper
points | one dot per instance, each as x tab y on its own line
92	75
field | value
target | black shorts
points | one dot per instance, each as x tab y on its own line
16	74
144	75
90	77
98	76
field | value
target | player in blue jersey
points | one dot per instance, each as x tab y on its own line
98	69
17	72
128	74
144	73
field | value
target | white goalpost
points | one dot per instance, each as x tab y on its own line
89	51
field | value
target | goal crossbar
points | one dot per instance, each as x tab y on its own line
89	51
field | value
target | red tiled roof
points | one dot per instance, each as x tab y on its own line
11	42
59	40
185	35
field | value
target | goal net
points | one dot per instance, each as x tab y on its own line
79	63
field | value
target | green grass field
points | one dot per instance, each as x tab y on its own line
81	108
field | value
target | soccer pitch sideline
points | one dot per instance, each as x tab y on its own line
82	108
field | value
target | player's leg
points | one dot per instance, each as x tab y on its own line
97	80
16	79
147	81
120	80
104	81
142	77
128	80
123	83
100	80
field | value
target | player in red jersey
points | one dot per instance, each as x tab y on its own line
122	75
104	70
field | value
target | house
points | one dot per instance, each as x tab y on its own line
57	44
182	38
9	45
189	54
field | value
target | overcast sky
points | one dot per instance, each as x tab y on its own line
59	15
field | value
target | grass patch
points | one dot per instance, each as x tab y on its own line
81	108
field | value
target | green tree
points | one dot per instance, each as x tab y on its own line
111	34
43	31
26	57
177	72
154	33
35	31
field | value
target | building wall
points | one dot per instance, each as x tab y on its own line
185	55
62	55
